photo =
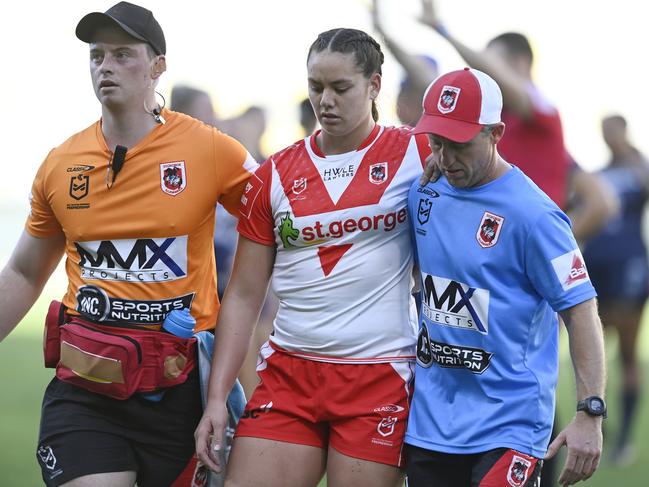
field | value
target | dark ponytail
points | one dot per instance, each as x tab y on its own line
367	52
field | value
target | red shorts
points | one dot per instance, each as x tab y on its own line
361	410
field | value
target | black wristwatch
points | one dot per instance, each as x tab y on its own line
593	405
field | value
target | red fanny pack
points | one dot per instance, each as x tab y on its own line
114	361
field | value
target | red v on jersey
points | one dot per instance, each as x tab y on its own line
307	193
330	255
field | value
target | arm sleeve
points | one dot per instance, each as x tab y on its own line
256	220
233	167
41	222
554	263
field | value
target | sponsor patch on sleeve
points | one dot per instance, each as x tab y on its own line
250	194
570	269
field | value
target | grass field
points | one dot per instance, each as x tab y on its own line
23	380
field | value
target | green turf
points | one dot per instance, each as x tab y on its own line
23	380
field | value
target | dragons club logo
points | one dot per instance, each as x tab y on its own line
448	99
173	177
519	471
489	229
379	173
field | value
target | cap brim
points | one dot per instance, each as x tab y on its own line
88	26
455	130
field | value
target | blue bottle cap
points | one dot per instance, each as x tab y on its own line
180	323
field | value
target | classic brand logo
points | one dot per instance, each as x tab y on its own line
79	168
455	304
173	177
141	260
448	99
570	269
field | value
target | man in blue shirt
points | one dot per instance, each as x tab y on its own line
498	261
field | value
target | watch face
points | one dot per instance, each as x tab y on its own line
596	405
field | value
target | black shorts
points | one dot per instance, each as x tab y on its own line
501	467
83	433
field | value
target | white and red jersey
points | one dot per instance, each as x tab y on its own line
344	256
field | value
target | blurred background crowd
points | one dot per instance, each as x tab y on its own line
241	66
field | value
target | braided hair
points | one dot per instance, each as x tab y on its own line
367	51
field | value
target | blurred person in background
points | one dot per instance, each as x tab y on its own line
130	202
419	72
193	102
247	128
534	135
308	120
617	264
327	217
533	138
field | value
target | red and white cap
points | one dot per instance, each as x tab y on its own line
458	104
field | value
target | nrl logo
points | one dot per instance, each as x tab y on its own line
299	185
79	186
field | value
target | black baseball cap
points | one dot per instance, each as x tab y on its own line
136	21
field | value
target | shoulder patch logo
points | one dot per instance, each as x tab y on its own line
173	177
250	194
378	173
489	229
570	269
448	99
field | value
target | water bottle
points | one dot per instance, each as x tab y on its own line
180	323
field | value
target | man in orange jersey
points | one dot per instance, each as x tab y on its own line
130	200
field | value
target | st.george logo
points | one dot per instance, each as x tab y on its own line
287	231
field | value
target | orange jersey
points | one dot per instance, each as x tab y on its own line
144	246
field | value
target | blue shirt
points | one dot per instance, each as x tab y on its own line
497	262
